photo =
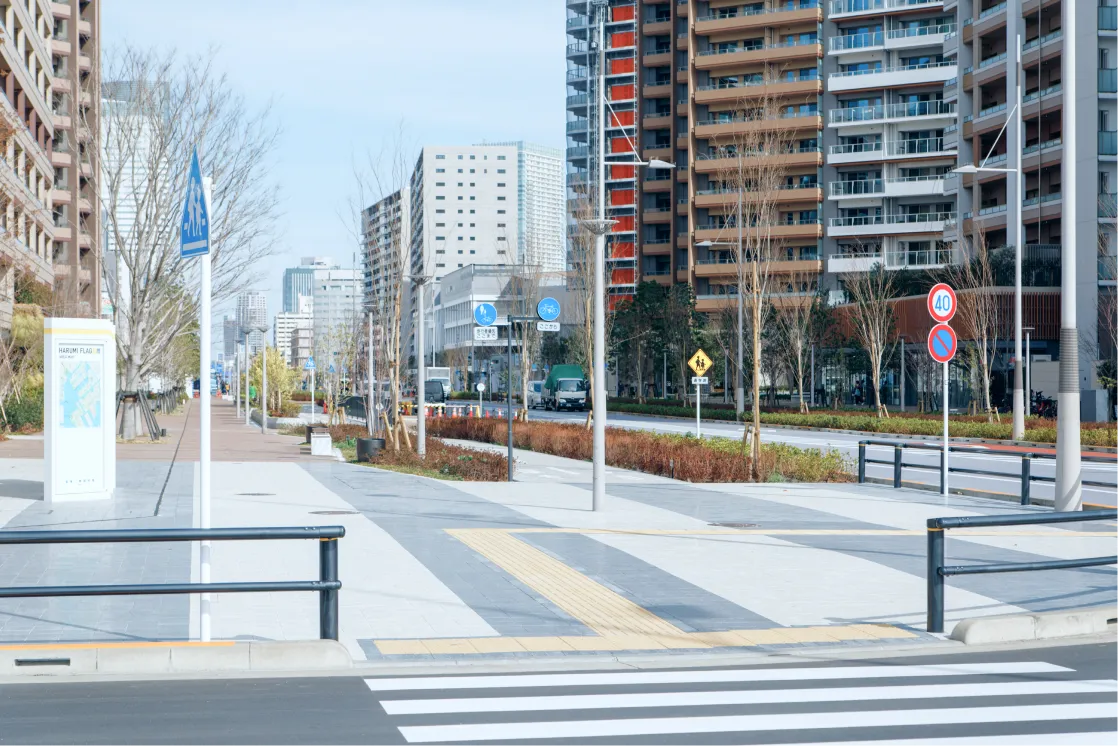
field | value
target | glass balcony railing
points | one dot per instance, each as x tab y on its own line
899	219
907	33
892	111
1108	18
992	10
1108	143
857	187
857	41
917	146
1108	80
858	147
992	60
898	68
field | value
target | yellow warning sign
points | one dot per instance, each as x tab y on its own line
699	363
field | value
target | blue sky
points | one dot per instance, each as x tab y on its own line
345	75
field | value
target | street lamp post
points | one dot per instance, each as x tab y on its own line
421	370
248	366
1028	372
263	329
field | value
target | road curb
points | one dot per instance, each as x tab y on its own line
1045	625
172	657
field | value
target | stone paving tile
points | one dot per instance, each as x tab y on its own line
688	607
139	485
416	512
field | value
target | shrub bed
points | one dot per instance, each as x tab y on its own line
689	459
444	461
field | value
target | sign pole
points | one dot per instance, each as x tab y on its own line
698	406
205	519
508	397
945	434
313	400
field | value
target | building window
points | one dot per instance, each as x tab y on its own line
440	183
459	157
442	197
472	184
440	157
440	211
500	170
472	198
440	225
459	183
440	170
500	183
501	158
500	225
472	238
499	199
500	212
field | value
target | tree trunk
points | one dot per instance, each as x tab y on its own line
755	455
800	379
131	417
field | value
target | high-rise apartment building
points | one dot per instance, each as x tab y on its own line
336	305
286	323
387	237
75	99
230	336
619	58
299	281
888	144
48	124
541	206
252	313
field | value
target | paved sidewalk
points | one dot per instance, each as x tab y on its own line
435	568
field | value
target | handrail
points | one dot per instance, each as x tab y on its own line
937	571
327	586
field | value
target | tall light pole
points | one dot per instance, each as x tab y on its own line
248	366
263	329
600	227
1069	484
421	369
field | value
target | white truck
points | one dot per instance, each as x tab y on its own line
442	375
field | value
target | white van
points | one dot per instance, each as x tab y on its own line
535	394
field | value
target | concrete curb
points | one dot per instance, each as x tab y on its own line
1045	625
172	657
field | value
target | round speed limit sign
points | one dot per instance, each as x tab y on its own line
942	303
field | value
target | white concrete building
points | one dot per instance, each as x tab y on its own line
299	281
252	311
337	302
541	206
286	324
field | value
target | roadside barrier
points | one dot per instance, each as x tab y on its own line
937	571
327	586
1025	475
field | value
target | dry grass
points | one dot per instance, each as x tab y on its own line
443	461
681	457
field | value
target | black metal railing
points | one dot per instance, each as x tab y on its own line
1025	475
327	586
937	571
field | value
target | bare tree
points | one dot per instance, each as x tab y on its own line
524	293
979	311
581	283
379	210
871	314
756	153
795	320
159	109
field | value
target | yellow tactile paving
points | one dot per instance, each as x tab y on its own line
591	603
620	624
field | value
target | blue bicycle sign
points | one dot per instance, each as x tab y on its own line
485	314
548	309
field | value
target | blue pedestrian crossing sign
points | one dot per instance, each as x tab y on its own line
195	233
332	369
485	314
309	364
548	309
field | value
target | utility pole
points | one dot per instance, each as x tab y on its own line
1069	477
1015	143
421	370
739	379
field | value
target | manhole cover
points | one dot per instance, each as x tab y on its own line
734	525
256	494
333	512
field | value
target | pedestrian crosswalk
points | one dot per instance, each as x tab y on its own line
1001	702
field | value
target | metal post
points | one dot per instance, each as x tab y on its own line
237	375
664	390
813	373
599	393
902	373
508	399
1017	145
898	458
328	599
264	386
1069	487
1026	477
314	399
371	407
204	516
935	579
1028	376
861	463
698	408
421	373
248	368
946	443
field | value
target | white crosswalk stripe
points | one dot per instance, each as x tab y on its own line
763	702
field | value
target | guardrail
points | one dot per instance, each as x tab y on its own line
327	586
1026	475
937	571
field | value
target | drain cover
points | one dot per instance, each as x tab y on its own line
333	512
734	525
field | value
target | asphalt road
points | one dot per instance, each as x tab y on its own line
925	469
1065	695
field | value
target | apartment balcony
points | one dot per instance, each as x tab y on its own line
887	113
900	224
890	77
716	198
758	19
840	9
726	265
1108	81
657	185
657	27
868	42
988	20
656	121
577	126
659	276
1108	20
714	163
657	90
657	59
656	247
799	229
656	215
715	94
1108	144
737	126
908	186
714	59
851	263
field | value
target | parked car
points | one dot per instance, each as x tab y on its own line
535	394
434	392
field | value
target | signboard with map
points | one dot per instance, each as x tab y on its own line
80	398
